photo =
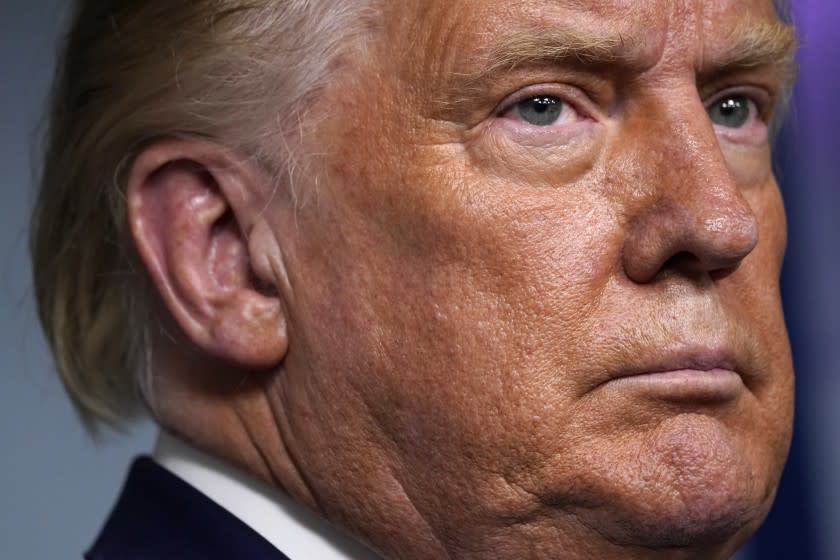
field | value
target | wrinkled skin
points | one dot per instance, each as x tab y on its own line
463	288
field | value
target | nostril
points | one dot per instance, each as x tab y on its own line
683	260
694	237
689	264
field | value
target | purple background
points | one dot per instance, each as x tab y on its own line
805	521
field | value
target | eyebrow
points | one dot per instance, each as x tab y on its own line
750	45
548	45
756	45
529	46
766	47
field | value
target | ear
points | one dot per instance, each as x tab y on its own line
193	208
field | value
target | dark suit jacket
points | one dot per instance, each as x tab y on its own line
160	517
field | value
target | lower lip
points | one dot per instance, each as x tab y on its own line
714	385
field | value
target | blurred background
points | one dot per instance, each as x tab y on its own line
57	485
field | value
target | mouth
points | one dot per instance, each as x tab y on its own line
699	375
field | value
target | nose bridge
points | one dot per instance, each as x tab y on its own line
687	140
693	206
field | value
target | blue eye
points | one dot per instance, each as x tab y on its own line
540	110
733	111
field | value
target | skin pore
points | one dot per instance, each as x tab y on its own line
519	207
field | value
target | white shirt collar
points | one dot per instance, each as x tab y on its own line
293	529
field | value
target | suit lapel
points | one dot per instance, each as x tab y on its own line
159	516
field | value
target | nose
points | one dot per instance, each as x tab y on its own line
693	218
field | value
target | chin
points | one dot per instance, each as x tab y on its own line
696	525
687	485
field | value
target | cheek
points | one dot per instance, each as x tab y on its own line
771	213
475	287
550	159
756	295
748	165
757	278
476	291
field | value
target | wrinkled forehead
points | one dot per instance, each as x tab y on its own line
627	16
444	32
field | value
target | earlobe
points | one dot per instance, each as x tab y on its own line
191	206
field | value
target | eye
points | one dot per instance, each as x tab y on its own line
545	115
732	111
541	111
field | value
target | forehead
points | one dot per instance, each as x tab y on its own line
443	31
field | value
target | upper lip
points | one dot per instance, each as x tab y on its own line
701	360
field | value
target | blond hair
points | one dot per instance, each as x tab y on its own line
238	72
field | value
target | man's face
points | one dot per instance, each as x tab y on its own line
536	282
